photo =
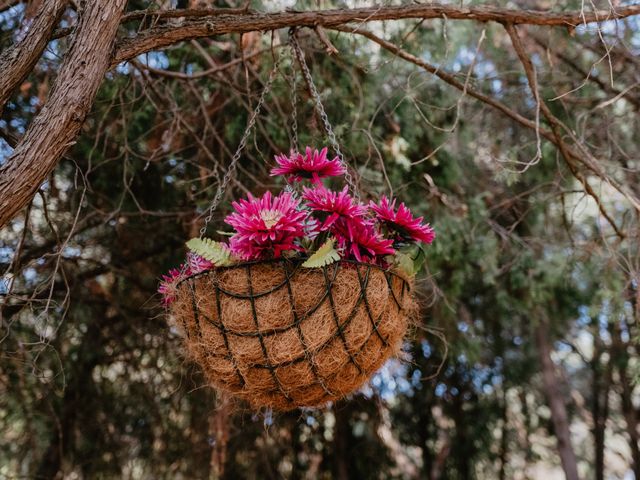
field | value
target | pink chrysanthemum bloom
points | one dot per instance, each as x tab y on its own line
402	222
266	226
169	283
331	206
197	263
362	242
313	165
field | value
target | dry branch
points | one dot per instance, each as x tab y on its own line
557	127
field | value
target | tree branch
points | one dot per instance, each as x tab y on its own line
7	4
587	75
19	60
554	137
183	13
212	22
54	130
204	73
447	78
557	127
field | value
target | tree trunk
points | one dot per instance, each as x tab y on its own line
504	440
631	419
219	431
19	60
600	406
621	358
54	130
551	381
342	433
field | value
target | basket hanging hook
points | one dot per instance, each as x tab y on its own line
231	169
299	55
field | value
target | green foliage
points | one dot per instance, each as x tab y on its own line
409	260
325	255
215	252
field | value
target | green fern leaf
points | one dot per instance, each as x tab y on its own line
215	252
325	255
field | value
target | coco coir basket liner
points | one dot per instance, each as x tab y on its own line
282	336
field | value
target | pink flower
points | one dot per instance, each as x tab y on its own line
169	284
362	241
313	165
401	222
197	263
332	205
266	226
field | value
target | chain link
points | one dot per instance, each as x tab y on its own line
297	52
243	142
294	105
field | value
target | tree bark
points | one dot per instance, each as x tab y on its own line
555	399
19	60
54	130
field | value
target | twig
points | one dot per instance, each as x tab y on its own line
322	35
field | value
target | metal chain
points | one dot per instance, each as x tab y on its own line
243	142
297	51
294	105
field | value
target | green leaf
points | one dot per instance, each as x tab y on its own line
215	252
409	260
419	257
404	263
325	255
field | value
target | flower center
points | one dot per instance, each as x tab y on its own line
270	217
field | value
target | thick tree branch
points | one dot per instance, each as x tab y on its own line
18	61
7	4
183	13
333	17
212	22
54	130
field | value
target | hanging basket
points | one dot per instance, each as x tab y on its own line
282	336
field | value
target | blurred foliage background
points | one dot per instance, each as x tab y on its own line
530	299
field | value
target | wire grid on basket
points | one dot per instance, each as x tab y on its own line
289	270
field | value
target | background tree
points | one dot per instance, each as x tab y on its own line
512	129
